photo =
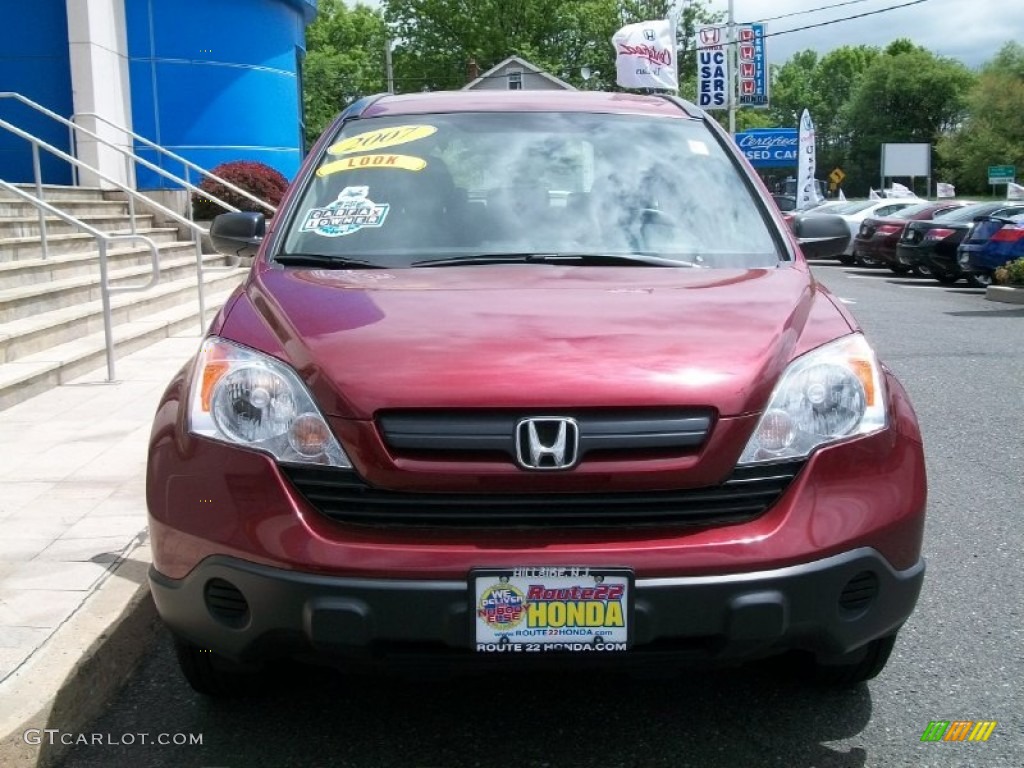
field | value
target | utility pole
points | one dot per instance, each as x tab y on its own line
387	65
732	62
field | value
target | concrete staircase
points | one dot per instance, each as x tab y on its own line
51	316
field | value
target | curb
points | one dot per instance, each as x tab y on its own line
1005	293
67	683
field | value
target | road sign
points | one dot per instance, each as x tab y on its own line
837	176
1001	174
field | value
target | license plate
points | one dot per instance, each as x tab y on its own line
543	609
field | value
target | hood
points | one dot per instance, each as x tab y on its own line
539	336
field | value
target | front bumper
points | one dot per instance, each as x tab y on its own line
251	613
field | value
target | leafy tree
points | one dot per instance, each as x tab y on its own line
438	38
344	60
992	134
905	95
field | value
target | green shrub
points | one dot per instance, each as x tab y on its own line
1011	273
256	178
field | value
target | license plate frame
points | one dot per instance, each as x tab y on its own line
551	609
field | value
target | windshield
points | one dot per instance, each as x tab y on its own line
396	192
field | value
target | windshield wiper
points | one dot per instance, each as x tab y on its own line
324	260
581	259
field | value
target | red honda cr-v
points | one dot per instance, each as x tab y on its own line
531	377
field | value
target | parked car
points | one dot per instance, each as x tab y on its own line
1005	243
930	247
855	213
977	260
488	431
875	243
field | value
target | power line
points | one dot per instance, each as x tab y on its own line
812	10
846	18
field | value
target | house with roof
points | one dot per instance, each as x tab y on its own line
514	74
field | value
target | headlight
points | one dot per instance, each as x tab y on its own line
830	394
243	397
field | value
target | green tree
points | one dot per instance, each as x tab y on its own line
907	94
991	134
344	61
438	38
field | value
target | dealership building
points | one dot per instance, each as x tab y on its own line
211	80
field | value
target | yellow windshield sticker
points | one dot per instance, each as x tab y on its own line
382	138
360	162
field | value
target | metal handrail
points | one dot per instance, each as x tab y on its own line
176	157
197	231
128	154
103	240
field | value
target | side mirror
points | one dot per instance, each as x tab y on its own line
238	234
821	235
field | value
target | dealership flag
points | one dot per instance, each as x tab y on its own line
807	195
1014	191
842	197
942	189
645	55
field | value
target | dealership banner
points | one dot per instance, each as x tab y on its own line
770	147
807	195
753	66
712	68
645	55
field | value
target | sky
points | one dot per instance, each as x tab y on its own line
969	30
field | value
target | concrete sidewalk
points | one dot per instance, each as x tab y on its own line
74	602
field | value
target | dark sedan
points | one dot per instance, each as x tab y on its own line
875	244
930	247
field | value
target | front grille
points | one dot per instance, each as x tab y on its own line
343	496
491	435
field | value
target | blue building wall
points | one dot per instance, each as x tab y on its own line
34	62
216	80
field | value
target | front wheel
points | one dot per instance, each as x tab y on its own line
847	259
858	666
899	269
946	278
213	675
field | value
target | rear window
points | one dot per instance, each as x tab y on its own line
394	191
912	210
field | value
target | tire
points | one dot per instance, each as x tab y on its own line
866	261
864	664
899	269
979	280
847	259
947	278
212	675
923	270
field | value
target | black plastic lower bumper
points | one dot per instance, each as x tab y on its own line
251	612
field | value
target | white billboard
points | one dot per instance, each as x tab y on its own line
906	160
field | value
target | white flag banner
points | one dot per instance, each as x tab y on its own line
645	55
872	195
900	190
1014	191
807	195
842	197
942	189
